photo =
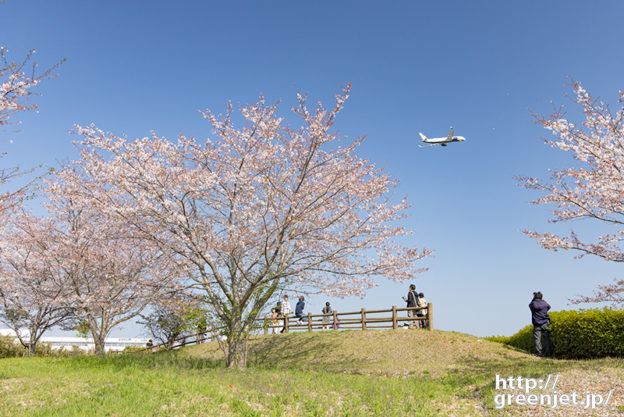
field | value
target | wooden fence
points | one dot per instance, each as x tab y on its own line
355	320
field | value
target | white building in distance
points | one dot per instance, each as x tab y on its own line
111	344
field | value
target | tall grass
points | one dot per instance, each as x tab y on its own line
170	384
451	375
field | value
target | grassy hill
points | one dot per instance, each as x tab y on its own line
388	353
349	373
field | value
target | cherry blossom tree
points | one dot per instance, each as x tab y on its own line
168	322
16	82
111	276
31	297
255	209
15	85
593	189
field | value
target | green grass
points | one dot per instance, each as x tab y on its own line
374	373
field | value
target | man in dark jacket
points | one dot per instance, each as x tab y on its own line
299	309
412	301
541	321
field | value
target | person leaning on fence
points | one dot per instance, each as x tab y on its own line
421	313
299	310
412	301
539	316
326	318
286	310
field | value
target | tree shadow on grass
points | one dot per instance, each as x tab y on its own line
295	351
156	360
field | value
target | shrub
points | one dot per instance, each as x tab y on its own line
498	339
133	349
44	349
10	349
577	334
73	351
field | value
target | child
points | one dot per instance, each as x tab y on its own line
421	313
274	321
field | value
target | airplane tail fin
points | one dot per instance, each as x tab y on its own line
424	138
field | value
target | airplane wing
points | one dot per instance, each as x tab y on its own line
450	136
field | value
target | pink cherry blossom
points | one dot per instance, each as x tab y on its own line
253	209
593	189
16	82
32	297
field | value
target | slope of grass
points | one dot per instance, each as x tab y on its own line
374	373
169	384
387	353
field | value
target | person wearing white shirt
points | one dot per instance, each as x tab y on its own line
286	310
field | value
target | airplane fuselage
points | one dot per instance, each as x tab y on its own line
442	141
445	140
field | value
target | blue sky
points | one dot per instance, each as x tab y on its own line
480	66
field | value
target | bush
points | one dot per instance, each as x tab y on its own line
73	351
577	334
130	349
499	339
10	349
43	349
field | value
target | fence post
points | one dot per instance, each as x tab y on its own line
363	319
309	322
429	316
266	325
286	323
394	318
335	320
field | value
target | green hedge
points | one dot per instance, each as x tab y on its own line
576	334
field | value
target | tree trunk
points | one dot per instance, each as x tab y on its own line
31	348
237	354
98	342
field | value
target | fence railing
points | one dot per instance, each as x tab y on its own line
187	340
361	320
354	320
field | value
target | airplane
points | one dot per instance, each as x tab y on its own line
442	141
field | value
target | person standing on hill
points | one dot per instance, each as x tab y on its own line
539	316
274	320
280	322
326	319
299	309
286	310
422	302
412	301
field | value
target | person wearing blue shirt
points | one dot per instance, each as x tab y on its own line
539	316
299	309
